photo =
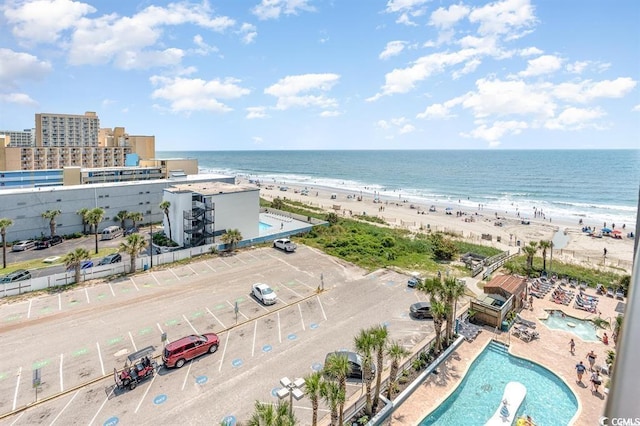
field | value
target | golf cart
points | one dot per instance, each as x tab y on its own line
138	367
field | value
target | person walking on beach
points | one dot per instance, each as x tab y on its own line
591	357
580	369
572	347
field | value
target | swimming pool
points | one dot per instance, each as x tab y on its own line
584	329
263	226
549	400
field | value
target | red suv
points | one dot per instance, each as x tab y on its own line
177	353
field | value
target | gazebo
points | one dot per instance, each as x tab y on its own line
502	294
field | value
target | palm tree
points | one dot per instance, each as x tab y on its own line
544	246
232	237
396	352
277	203
530	250
338	368
439	313
83	214
4	224
94	217
135	218
312	385
164	206
364	345
133	245
434	288
334	396
121	217
74	260
51	215
380	336
267	414
452	291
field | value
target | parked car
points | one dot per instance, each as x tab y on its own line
48	242
15	276
264	293
415	280
132	230
285	244
23	245
421	310
177	353
86	264
112	258
355	361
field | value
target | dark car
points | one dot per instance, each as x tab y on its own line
48	242
112	258
86	264
355	361
132	230
421	310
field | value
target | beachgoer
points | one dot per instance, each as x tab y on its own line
281	225
531	302
580	369
591	357
504	410
605	251
572	347
605	339
596	381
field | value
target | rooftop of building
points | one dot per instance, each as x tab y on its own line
210	188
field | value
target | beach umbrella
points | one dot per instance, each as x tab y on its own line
606	230
448	208
616	231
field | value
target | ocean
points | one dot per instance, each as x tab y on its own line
597	186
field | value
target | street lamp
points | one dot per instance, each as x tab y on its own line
292	389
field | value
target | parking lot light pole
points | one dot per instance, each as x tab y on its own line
291	389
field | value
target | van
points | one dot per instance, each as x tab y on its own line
19	275
111	232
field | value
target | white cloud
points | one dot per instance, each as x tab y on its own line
545	64
327	114
438	111
636	108
398	125
393	48
587	90
256	112
42	21
407	128
394	6
257	140
272	9
497	131
202	47
187	95
446	18
20	66
291	91
530	51
382	124
503	17
18	99
575	119
248	33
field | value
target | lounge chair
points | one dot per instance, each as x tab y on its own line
590	309
583	286
610	292
573	284
526	322
619	294
528	335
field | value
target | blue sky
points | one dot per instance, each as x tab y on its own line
330	74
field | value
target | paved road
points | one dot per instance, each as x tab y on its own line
80	335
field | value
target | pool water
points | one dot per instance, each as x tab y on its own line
584	329
549	400
263	226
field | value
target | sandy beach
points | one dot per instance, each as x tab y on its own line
506	230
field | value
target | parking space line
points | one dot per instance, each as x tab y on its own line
134	284
15	395
210	267
64	408
154	277
135	348
186	376
102	406
59	302
190	325
29	309
255	332
240	259
17	418
194	272
301	318
224	351
305	284
159	328
174	274
221	260
100	356
258	303
279	330
322	308
113	293
86	292
146	391
292	291
216	318
61	381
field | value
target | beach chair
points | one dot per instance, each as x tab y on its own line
583	286
573	284
590	309
525	322
610	292
619	294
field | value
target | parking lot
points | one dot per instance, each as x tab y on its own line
75	338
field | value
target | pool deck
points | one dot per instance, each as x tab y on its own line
550	350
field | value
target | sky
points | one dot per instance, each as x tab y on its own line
330	74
